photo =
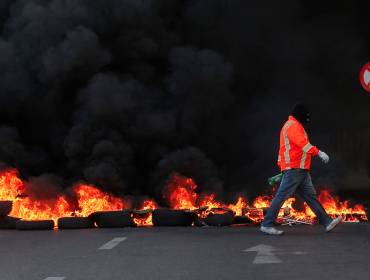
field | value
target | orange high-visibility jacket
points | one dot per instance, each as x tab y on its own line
295	149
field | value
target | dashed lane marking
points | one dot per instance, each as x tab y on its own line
112	243
55	278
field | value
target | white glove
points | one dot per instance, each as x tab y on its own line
324	157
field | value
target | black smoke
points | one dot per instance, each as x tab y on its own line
123	93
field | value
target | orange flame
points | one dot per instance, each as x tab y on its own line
262	201
181	195
146	221
25	209
181	192
208	201
330	203
91	200
10	185
237	208
335	208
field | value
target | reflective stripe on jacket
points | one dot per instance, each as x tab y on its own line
295	148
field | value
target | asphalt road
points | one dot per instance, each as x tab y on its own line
303	252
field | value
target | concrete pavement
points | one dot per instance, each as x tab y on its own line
303	252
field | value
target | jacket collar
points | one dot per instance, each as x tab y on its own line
291	118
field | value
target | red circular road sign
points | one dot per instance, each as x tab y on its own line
365	77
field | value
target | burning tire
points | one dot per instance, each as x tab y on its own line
35	225
242	220
113	219
225	219
5	208
8	222
75	223
171	218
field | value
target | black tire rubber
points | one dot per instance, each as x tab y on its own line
94	216
225	219
75	223
242	220
5	208
8	222
142	212
171	218
367	211
35	225
114	219
198	221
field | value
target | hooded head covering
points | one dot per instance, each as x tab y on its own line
300	112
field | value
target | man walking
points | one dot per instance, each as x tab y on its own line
294	160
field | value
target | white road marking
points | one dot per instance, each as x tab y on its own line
264	254
55	278
112	243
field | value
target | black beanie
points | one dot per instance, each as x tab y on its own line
300	112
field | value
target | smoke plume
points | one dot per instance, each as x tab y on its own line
123	93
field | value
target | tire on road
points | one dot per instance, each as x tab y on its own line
114	219
75	223
198	221
5	208
171	218
242	220
35	225
225	219
8	222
